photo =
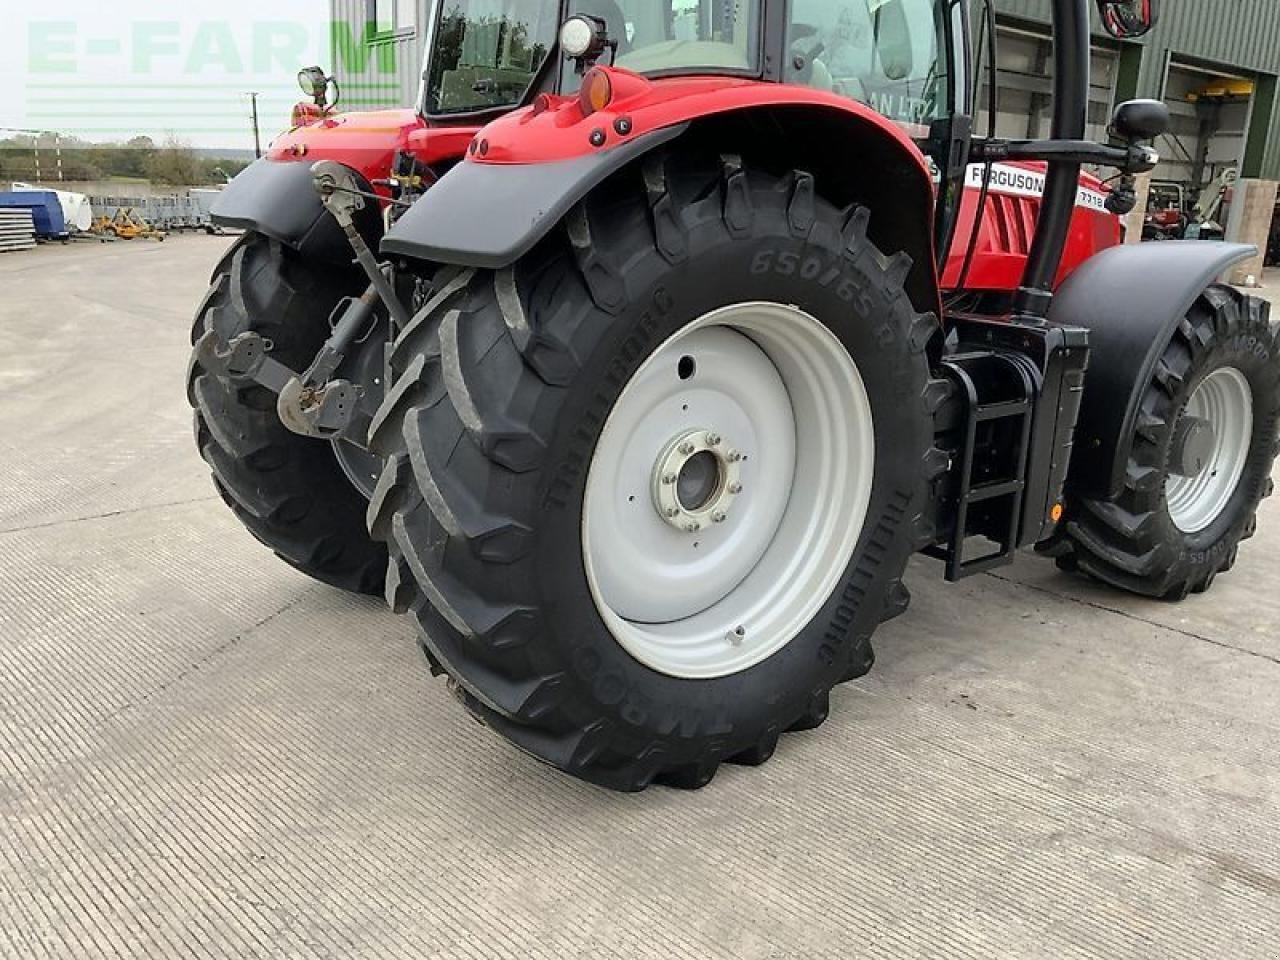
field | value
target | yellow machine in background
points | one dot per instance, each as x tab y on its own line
127	225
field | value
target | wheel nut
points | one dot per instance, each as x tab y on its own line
719	517
686	448
693	527
669	479
735	488
733	456
713	439
673	512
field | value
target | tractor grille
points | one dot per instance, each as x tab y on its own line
1014	221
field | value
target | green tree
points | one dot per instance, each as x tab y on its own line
174	163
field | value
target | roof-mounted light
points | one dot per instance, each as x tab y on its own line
584	39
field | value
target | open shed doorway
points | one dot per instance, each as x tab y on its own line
1193	186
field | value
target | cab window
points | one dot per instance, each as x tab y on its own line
487	53
1163	198
658	36
888	54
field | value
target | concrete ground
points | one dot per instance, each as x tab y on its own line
203	754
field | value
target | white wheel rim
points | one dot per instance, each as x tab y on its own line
1225	400
782	518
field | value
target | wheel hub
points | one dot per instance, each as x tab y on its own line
1193	446
1210	450
695	480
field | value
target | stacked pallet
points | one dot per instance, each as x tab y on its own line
17	230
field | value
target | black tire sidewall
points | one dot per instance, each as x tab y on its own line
289	491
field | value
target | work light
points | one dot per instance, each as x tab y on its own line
314	82
580	34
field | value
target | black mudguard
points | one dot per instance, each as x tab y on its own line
1131	299
489	215
277	198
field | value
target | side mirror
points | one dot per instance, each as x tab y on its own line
1128	19
892	38
1137	120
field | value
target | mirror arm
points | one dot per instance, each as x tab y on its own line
1130	159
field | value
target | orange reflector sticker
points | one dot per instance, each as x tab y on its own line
1056	513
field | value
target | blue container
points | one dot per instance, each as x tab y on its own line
45	209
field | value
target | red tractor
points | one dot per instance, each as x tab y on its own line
660	336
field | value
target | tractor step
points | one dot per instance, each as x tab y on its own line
1010	430
997	393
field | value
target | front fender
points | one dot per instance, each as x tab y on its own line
277	198
1131	299
274	196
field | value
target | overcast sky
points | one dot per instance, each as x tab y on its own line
114	69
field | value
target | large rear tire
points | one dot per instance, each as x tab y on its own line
1203	450
291	492
520	398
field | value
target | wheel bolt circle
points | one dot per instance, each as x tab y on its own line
668	474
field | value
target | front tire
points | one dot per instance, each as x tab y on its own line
1176	524
498	426
291	492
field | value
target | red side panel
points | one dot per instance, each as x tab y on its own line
367	142
1013	207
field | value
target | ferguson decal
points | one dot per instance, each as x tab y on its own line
1021	182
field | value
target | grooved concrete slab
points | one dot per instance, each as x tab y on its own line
202	754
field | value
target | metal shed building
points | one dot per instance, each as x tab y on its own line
1197	45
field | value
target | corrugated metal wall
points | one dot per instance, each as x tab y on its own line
384	73
1243	33
1240	34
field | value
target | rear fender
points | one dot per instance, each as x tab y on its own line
1131	299
527	170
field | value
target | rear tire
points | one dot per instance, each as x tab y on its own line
1164	536
504	384
289	491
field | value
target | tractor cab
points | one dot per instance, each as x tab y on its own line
908	61
897	56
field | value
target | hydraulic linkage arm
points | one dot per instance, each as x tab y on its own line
312	403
